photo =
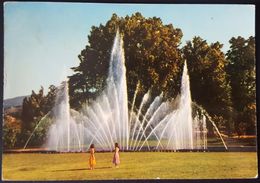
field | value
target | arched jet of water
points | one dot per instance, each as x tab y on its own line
100	138
153	133
77	134
212	122
133	148
132	109
108	107
139	141
94	137
151	119
171	115
144	100
174	133
94	116
35	129
160	123
133	102
151	108
139	123
215	126
101	114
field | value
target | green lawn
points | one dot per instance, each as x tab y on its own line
134	165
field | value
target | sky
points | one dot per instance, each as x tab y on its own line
42	40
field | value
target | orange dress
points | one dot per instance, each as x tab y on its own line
92	159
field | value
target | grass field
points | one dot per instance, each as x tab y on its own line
134	165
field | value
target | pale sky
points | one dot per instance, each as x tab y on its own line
42	41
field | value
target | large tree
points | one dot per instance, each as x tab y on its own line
241	71
152	57
208	79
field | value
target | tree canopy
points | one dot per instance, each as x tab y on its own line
34	108
241	72
208	79
152	56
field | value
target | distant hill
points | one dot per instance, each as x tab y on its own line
13	102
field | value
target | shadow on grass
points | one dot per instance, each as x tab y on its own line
78	169
26	169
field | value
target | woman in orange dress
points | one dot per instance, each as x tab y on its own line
116	159
92	159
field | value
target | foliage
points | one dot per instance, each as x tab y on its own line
34	108
11	130
151	56
208	79
241	71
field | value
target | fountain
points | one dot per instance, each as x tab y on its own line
165	125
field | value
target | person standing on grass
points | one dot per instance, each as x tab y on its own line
92	159
116	159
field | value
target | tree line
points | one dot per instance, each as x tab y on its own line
222	83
